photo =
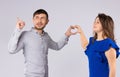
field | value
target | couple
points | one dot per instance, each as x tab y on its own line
101	50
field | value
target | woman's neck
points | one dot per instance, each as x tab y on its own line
100	36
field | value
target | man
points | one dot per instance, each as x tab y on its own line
35	44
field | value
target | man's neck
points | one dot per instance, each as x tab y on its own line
39	31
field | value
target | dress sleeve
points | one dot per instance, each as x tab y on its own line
107	45
115	46
90	42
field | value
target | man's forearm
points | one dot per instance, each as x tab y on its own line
12	45
60	44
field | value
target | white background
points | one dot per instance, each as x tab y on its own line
71	60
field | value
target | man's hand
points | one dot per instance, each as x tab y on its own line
20	23
69	32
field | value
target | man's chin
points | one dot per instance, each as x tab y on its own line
39	28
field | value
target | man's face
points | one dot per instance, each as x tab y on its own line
40	21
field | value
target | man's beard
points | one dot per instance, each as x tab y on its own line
39	28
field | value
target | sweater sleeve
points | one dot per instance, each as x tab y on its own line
58	45
16	42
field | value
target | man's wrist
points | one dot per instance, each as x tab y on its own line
67	35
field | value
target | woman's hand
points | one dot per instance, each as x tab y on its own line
79	30
83	39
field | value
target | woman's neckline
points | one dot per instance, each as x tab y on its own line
101	40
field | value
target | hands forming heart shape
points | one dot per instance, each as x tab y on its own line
72	30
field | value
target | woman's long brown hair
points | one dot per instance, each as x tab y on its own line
107	26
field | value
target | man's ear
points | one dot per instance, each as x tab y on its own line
32	20
47	21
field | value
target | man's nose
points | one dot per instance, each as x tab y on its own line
39	20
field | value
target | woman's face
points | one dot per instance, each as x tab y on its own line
97	26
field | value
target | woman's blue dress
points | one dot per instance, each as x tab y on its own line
98	64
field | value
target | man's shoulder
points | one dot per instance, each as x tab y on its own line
26	32
46	34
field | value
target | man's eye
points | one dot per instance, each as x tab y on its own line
43	18
36	17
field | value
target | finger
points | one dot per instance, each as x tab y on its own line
76	26
69	28
74	33
72	27
18	18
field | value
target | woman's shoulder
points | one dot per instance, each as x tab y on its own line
91	39
111	42
107	44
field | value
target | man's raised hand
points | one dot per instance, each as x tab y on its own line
20	23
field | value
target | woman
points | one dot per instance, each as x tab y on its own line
101	50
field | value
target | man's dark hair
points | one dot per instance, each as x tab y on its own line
40	11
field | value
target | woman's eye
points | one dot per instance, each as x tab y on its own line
97	22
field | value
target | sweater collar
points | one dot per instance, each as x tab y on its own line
33	29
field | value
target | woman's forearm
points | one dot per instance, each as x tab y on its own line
111	57
83	39
112	72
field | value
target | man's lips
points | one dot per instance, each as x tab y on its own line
40	25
